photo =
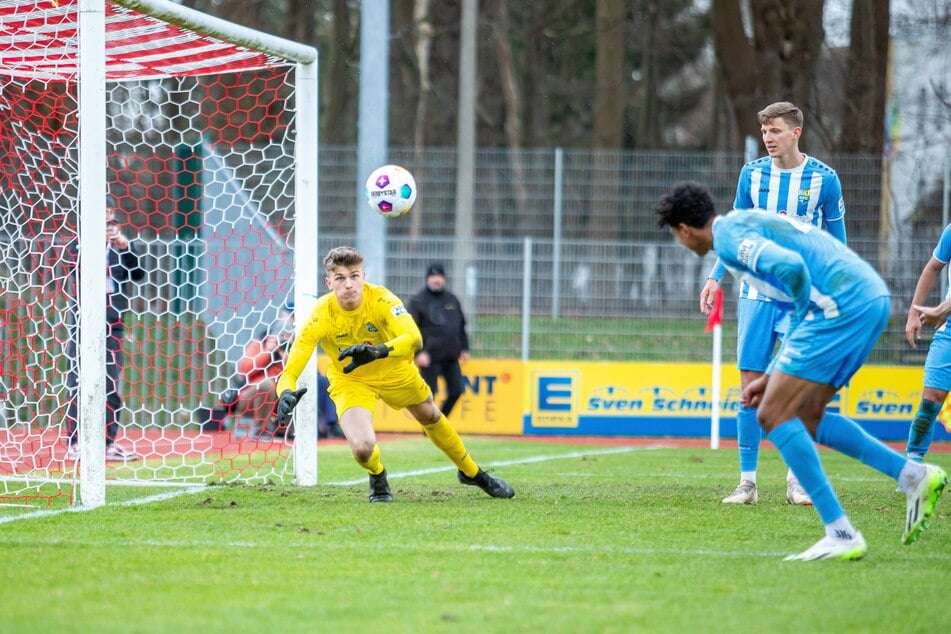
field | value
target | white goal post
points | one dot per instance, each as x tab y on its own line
193	142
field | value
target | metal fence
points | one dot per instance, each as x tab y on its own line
594	300
610	285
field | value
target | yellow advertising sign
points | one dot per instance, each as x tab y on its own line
883	392
492	402
619	398
505	396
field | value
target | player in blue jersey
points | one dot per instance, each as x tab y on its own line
837	305
937	379
789	183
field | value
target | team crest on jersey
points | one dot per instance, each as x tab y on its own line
745	253
398	310
804	196
370	327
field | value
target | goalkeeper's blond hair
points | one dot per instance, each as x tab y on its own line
342	256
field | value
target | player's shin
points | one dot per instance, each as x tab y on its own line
800	453
846	436
373	464
921	432
749	435
443	435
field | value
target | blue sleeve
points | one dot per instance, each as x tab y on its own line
837	229
718	271
832	206
791	270
942	252
744	199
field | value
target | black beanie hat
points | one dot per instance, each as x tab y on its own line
436	268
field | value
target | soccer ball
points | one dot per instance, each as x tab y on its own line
391	190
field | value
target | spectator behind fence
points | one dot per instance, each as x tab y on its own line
439	316
252	391
122	260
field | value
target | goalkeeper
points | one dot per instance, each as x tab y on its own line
370	339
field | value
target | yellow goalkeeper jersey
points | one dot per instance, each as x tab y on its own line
381	318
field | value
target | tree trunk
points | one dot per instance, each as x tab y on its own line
609	69
299	21
863	109
777	64
423	46
609	119
648	128
337	87
512	98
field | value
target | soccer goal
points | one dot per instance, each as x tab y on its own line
194	140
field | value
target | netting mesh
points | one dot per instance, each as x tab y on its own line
201	187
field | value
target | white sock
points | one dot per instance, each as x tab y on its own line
841	529
910	475
791	477
748	475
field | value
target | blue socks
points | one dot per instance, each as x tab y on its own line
748	437
844	435
921	431
800	453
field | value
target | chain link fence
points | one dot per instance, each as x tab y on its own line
610	284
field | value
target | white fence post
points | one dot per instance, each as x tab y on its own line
526	297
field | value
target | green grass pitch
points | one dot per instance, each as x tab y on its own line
597	539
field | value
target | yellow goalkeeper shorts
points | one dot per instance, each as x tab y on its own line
407	389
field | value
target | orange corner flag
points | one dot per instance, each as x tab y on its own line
716	315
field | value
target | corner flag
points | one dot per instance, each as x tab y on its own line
714	325
716	315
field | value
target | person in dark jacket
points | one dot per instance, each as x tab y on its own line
123	265
439	316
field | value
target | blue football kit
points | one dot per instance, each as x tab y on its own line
810	193
938	361
835	300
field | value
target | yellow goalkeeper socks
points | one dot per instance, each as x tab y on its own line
374	465
444	436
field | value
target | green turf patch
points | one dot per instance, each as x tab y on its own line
596	540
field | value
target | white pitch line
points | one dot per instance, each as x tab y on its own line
324	543
82	509
404	474
498	463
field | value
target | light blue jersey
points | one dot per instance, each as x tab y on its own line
797	264
938	361
838	304
942	253
810	193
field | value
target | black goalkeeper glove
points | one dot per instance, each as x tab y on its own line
361	354
286	404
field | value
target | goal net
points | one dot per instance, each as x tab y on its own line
201	138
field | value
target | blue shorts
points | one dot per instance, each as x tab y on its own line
830	351
938	362
759	325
